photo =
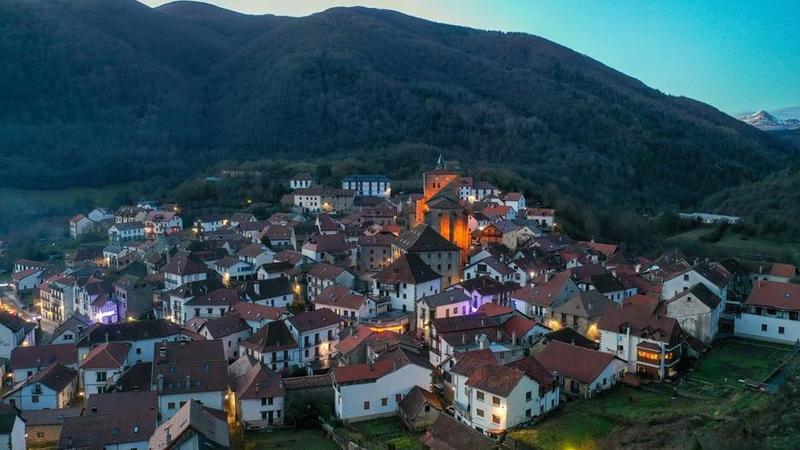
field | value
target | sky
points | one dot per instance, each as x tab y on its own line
737	55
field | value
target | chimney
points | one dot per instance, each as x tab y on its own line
514	337
546	277
188	380
257	288
499	335
160	382
463	339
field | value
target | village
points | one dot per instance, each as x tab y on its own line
356	317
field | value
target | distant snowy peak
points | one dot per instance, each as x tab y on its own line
766	121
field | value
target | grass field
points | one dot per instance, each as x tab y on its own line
732	244
388	431
289	439
651	418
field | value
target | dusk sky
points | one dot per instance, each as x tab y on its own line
735	55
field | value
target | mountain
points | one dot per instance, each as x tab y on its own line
766	121
103	91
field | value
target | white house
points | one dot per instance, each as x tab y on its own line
275	292
231	330
491	267
301	181
26	280
771	313
515	200
449	303
79	225
141	334
368	185
698	311
579	371
181	270
349	305
317	333
258	394
50	388
323	275
103	366
273	345
26	361
406	280
715	277
374	389
15	332
12	428
126	231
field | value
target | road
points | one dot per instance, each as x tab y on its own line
11	302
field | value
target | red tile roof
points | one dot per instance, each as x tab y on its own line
384	365
43	355
519	325
339	296
541	292
469	362
108	355
783	270
494	310
258	382
574	362
313	320
496	379
771	294
325	271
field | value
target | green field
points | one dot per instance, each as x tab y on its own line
710	399
289	439
733	244
388	431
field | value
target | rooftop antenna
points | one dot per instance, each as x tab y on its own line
440	162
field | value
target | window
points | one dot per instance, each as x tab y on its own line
763	327
781	330
479	394
528	396
35	399
528	412
398	397
384	401
495	400
495	418
366	405
171	405
479	412
101	376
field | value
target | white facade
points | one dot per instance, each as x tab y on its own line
16	439
686	281
362	401
775	328
141	351
369	186
267	411
96	381
494	412
403	296
169	404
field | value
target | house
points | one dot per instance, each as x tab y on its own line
194	426
259	396
484	290
187	371
323	275
103	365
491	267
230	329
278	237
537	299
405	281
483	189
119	421
57	297
317	333
499	397
135	294
698	312
448	332
273	345
141	334
241	217
26	280
158	223
13	430
350	306
212	305
581	372
453	302
99	214
52	387
275	292
771	313
582	312
545	217
277	269
301	181
232	268
79	225
43	426
256	315
209	224
714	276
639	333
331	248
126	231
523	331
256	254
375	252
433	249
26	361
447	434
375	389
15	332
566	335
368	185
610	286
71	330
779	272
181	270
515	200
419	409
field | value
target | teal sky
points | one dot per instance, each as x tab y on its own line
736	55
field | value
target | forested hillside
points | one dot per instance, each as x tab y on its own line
102	91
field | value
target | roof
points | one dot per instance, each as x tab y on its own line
272	337
461	323
122	402
253	250
340	296
43	355
544	290
605	249
14	322
445	298
182	265
534	369
225	325
357	336
192	417
570	336
447	434
217	297
303	176
575	362
331	243
494	310
266	289
640	314
325	271
36	417
56	377
408	268
495	264
313	320
495	379
423	238
137	378
416	399
702	293
589	304
108	355
469	362
21	275
130	331
366	178
8	417
518	326
101	430
783	270
486	285
382	366
771	294
254	311
259	381
715	273
606	282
